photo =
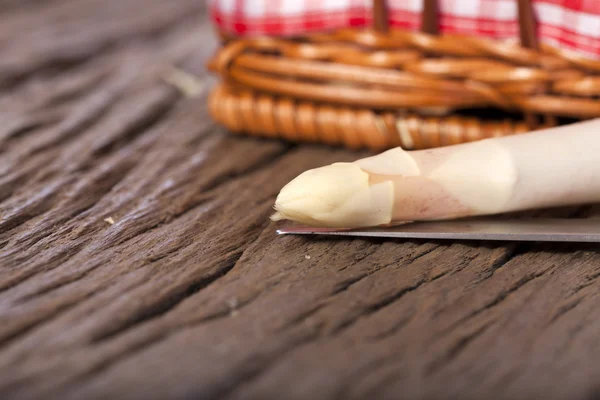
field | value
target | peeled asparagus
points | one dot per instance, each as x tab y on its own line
547	168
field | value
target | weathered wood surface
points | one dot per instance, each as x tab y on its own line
190	294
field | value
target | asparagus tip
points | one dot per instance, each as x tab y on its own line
338	195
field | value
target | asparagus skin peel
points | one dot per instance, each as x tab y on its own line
546	168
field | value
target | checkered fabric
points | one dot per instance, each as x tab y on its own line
568	24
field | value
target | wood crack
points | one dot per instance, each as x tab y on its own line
491	304
262	164
84	195
171	302
376	307
457	348
512	252
265	365
392	330
151	341
5	339
564	309
207	194
345	285
153	114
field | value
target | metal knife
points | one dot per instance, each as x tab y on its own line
543	230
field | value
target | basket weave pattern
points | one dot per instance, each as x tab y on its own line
381	88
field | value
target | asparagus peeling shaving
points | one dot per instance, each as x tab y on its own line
547	168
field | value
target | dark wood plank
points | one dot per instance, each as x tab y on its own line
190	293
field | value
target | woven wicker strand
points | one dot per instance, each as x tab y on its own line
357	87
265	116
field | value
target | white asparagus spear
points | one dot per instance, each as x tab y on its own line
546	168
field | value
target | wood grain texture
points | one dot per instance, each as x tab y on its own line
190	294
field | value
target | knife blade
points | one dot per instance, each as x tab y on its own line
542	230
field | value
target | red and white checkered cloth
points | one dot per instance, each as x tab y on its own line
568	24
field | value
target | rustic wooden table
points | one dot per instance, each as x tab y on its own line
190	294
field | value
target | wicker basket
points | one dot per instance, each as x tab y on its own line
381	88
